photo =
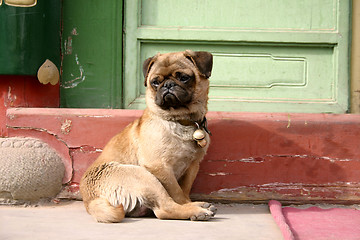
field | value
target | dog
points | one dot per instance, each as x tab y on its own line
153	162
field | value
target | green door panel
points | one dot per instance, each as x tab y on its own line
29	36
244	74
92	54
241	14
269	55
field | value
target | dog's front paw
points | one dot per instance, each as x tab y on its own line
206	211
207	206
202	215
210	207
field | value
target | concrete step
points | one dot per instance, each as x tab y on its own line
69	220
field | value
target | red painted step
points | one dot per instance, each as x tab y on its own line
252	156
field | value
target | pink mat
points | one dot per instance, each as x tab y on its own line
315	223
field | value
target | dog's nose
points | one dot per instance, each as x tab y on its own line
169	84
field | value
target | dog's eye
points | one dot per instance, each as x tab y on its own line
184	78
155	83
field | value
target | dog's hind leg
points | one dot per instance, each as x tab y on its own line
149	192
126	187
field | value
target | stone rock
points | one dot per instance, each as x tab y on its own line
30	170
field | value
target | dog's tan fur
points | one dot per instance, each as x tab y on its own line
153	162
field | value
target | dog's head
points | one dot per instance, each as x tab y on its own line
177	83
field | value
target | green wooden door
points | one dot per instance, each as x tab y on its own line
91	47
29	36
269	55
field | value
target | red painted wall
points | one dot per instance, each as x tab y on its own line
24	91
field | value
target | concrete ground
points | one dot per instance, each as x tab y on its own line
69	220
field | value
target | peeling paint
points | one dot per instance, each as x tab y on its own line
244	160
94	116
11	116
252	160
74	32
86	149
311	157
66	127
68	45
289	121
70	191
11	98
76	81
264	158
346	192
219	174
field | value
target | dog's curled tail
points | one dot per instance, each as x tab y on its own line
104	212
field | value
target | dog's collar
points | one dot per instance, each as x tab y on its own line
202	124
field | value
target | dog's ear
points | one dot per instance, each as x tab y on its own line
147	65
202	60
146	68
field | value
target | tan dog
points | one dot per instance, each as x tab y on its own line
153	162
